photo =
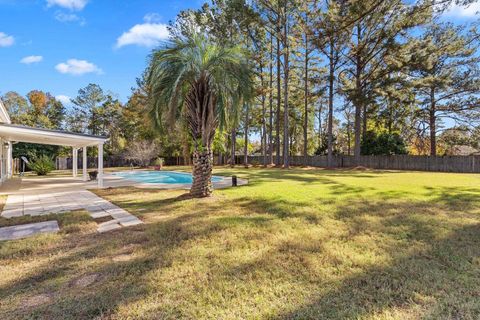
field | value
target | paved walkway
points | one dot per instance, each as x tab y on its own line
47	202
34	196
26	230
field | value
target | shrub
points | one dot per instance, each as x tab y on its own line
42	165
158	162
384	143
142	152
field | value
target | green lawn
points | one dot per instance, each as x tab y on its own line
296	244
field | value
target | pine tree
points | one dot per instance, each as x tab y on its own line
446	77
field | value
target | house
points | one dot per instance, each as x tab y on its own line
11	134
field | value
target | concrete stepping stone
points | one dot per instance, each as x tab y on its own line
11	213
133	221
108	226
99	214
27	230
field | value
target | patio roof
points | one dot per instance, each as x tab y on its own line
17	133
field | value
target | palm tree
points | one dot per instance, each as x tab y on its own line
200	82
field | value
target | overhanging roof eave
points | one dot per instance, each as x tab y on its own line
46	136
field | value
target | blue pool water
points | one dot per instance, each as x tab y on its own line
169	177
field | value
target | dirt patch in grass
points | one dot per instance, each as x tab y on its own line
85	280
103	219
38	300
123	257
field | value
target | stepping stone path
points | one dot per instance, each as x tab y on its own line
26	230
35	204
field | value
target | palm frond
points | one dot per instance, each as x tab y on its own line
198	72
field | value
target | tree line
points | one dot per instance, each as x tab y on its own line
330	77
351	77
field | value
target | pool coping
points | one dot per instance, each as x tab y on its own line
226	181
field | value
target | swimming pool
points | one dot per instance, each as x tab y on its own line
167	177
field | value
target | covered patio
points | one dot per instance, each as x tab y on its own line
16	133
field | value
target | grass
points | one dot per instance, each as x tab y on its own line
296	244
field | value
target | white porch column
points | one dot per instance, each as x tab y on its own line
84	164
3	157
75	162
10	159
100	165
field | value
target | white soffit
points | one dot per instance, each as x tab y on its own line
17	133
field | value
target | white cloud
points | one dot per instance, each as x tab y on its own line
6	40
77	67
458	11
152	17
31	59
68	4
69	17
63	99
146	35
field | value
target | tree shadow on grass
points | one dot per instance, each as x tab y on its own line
300	175
431	270
279	208
438	282
118	283
432	265
456	198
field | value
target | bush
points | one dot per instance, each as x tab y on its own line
255	162
382	144
158	162
42	165
142	152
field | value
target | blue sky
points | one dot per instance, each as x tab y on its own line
60	46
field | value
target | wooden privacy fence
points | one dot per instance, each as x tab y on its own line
63	163
463	164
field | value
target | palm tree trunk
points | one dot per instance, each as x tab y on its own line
202	174
233	142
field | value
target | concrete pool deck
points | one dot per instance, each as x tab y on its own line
45	184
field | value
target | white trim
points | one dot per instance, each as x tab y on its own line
44	136
4	114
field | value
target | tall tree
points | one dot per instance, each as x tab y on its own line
84	118
377	29
39	110
445	73
332	43
201	80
